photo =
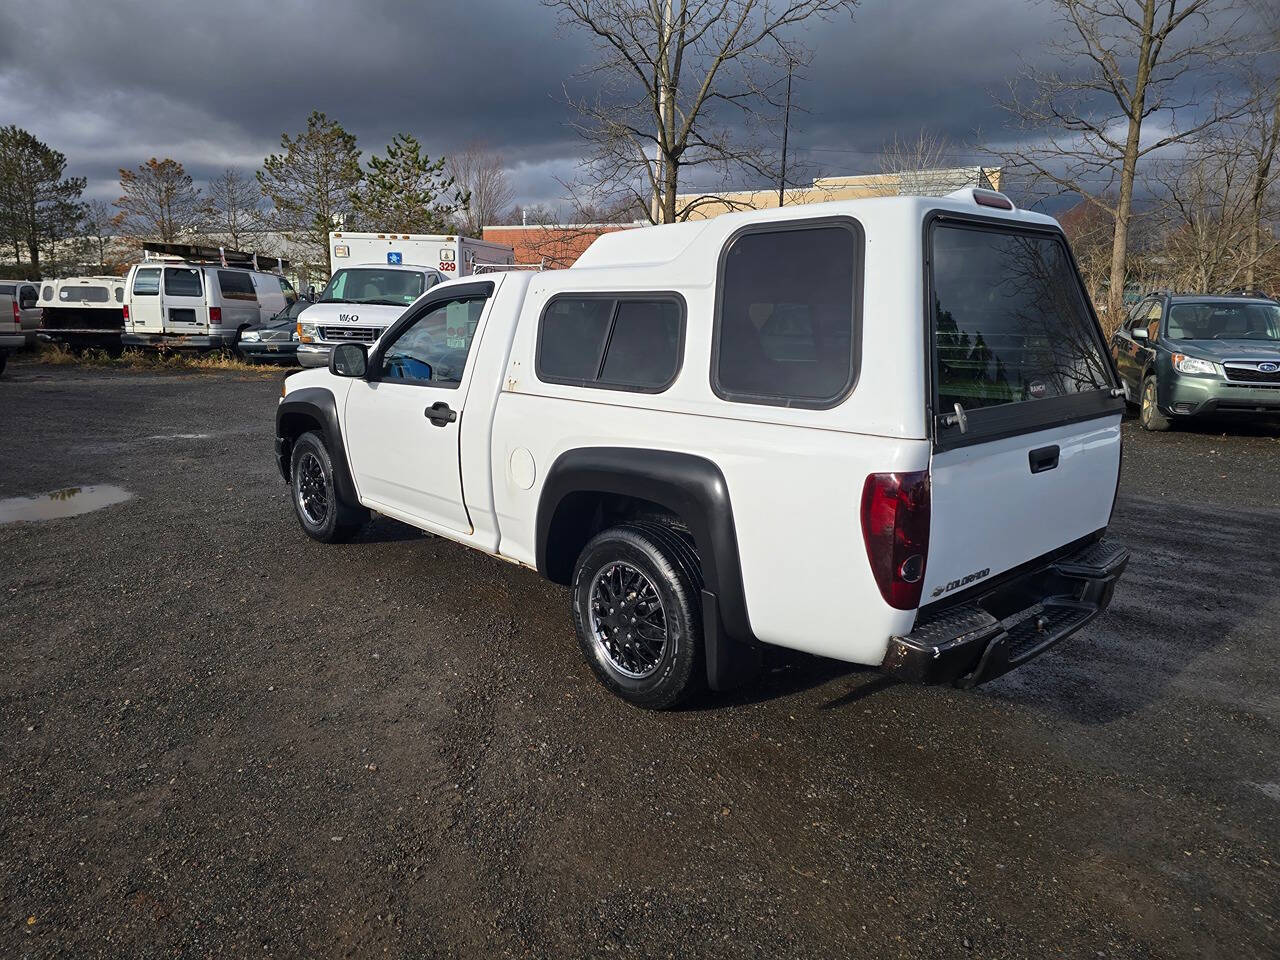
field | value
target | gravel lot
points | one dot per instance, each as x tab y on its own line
221	738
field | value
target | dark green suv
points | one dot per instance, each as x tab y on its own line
1185	356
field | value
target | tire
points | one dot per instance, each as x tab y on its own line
1149	411
320	513
4	358
641	566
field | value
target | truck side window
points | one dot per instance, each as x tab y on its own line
594	340
785	326
146	283
433	349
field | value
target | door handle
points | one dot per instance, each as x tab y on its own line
440	413
1043	458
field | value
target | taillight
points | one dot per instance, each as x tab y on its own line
215	316
895	529
17	313
126	313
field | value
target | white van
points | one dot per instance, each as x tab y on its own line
90	303
199	297
376	276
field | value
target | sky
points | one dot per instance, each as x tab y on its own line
111	83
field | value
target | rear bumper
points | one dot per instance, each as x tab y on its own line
12	341
313	354
178	341
1021	618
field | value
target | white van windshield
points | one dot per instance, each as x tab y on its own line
395	288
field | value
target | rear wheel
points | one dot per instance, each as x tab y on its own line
1149	414
321	512
4	358
636	595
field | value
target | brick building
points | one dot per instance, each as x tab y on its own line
555	245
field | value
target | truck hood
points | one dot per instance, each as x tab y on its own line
1228	349
354	314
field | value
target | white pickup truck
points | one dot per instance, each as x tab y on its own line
884	431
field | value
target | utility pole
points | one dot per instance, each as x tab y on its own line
664	91
786	129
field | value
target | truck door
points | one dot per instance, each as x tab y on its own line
403	422
184	309
146	303
1027	429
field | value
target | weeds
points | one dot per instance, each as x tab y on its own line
56	355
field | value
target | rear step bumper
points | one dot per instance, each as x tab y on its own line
1004	628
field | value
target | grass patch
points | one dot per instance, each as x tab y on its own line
56	355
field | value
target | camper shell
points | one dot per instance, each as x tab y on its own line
93	303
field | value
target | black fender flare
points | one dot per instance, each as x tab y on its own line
319	406
694	489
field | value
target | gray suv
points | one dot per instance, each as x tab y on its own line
1181	356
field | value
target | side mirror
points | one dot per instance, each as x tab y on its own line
349	360
1139	333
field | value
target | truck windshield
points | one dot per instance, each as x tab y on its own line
1009	320
396	288
1215	320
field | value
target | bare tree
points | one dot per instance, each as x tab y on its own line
97	229
1123	63
233	203
1089	229
483	174
926	151
683	87
1263	124
1211	240
158	202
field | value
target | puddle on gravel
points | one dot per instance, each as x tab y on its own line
67	502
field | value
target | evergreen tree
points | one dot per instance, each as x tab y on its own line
408	192
38	205
310	184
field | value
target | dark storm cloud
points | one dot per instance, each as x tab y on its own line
215	83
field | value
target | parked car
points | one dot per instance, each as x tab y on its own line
276	340
24	306
1182	356
750	430
191	297
12	336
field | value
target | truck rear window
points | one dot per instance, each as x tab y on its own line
84	294
1009	320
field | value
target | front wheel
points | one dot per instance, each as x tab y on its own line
321	513
1150	415
636	608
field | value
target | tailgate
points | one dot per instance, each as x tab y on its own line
1026	424
997	505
